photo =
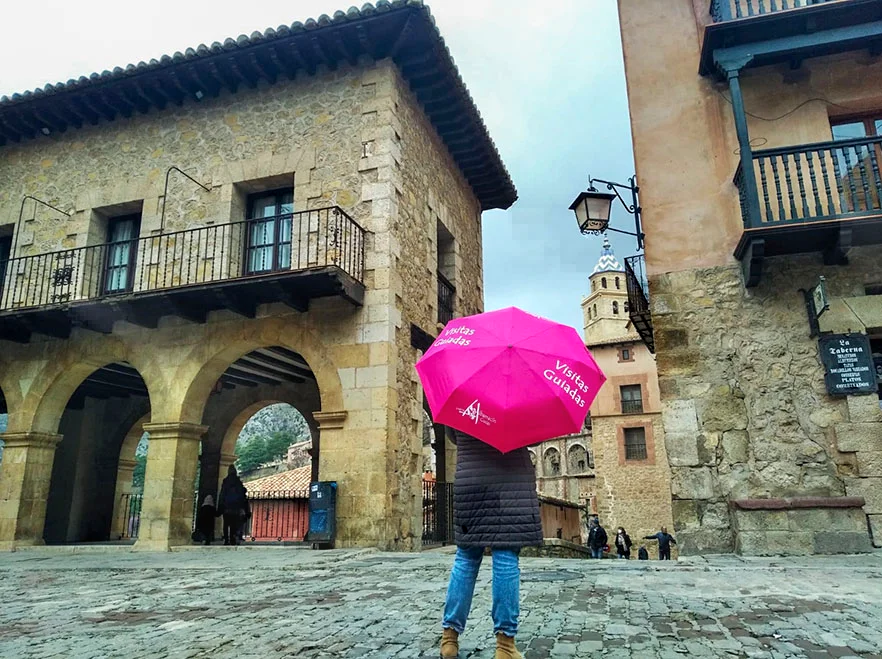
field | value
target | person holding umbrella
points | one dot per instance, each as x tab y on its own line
503	380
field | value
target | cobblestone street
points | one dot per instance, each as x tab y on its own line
280	602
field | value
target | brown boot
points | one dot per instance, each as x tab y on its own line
505	648
449	644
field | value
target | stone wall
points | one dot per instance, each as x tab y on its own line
746	413
354	137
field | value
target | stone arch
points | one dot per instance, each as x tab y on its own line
577	459
615	307
603	282
532	457
53	387
125	472
551	462
201	372
618	284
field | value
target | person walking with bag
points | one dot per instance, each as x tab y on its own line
233	500
623	544
495	506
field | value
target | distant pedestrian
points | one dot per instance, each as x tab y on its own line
597	539
665	540
623	544
642	554
495	506
234	506
205	521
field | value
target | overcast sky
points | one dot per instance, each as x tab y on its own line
547	77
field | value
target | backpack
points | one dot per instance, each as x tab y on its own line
642	554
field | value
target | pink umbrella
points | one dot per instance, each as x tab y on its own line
509	378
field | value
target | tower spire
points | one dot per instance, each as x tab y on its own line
607	261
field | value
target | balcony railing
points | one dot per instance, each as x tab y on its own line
632	406
446	298
812	182
298	242
727	10
638	298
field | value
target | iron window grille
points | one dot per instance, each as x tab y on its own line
635	443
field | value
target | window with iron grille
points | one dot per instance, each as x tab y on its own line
635	443
632	399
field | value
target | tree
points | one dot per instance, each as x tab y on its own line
140	464
261	450
280	417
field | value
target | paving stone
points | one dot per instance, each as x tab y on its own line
349	604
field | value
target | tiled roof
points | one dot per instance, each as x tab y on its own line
626	338
403	30
268	487
607	261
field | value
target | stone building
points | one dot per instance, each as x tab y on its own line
633	481
284	217
756	132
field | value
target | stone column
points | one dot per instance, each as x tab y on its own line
167	508
25	476
125	471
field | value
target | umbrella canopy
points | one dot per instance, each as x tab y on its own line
509	378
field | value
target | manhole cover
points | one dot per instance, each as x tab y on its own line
551	575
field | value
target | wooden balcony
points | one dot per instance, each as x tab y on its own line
638	298
236	266
824	197
753	33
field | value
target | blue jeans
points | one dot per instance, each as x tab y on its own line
596	553
506	590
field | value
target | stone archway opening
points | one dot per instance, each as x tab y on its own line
94	425
259	416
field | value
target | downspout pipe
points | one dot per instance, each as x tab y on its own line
21	214
165	192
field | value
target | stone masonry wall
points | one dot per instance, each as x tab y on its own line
354	137
746	414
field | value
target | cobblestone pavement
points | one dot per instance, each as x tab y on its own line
284	602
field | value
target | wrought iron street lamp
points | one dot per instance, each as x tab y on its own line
593	208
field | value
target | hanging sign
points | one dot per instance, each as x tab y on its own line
819	297
848	364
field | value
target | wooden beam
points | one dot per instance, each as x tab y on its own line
283	56
14	331
837	252
237	381
258	370
319	50
182	309
54	324
113	385
224	77
173	95
97	105
364	39
285	296
288	355
342	48
250	69
401	39
752	262
209	79
278	364
306	62
90	320
245	375
251	82
91	115
264	66
230	299
115	100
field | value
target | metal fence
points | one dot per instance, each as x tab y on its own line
632	406
281	516
437	513
130	513
294	242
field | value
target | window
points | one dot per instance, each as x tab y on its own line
5	247
269	231
122	239
603	282
635	443
624	355
632	399
577	458
595	311
627	307
551	463
615	308
446	246
618	284
853	163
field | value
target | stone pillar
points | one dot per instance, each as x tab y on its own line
167	508
25	476
125	471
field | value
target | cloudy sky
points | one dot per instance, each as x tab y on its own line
547	77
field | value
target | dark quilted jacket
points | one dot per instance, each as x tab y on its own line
494	497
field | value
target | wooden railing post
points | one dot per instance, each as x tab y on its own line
748	175
721	10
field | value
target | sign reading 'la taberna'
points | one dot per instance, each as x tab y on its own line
848	362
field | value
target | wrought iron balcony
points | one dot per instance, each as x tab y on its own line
638	298
290	258
824	197
446	299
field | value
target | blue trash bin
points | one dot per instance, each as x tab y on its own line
322	513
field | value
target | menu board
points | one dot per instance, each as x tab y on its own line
848	362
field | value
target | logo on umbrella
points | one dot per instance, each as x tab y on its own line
474	413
